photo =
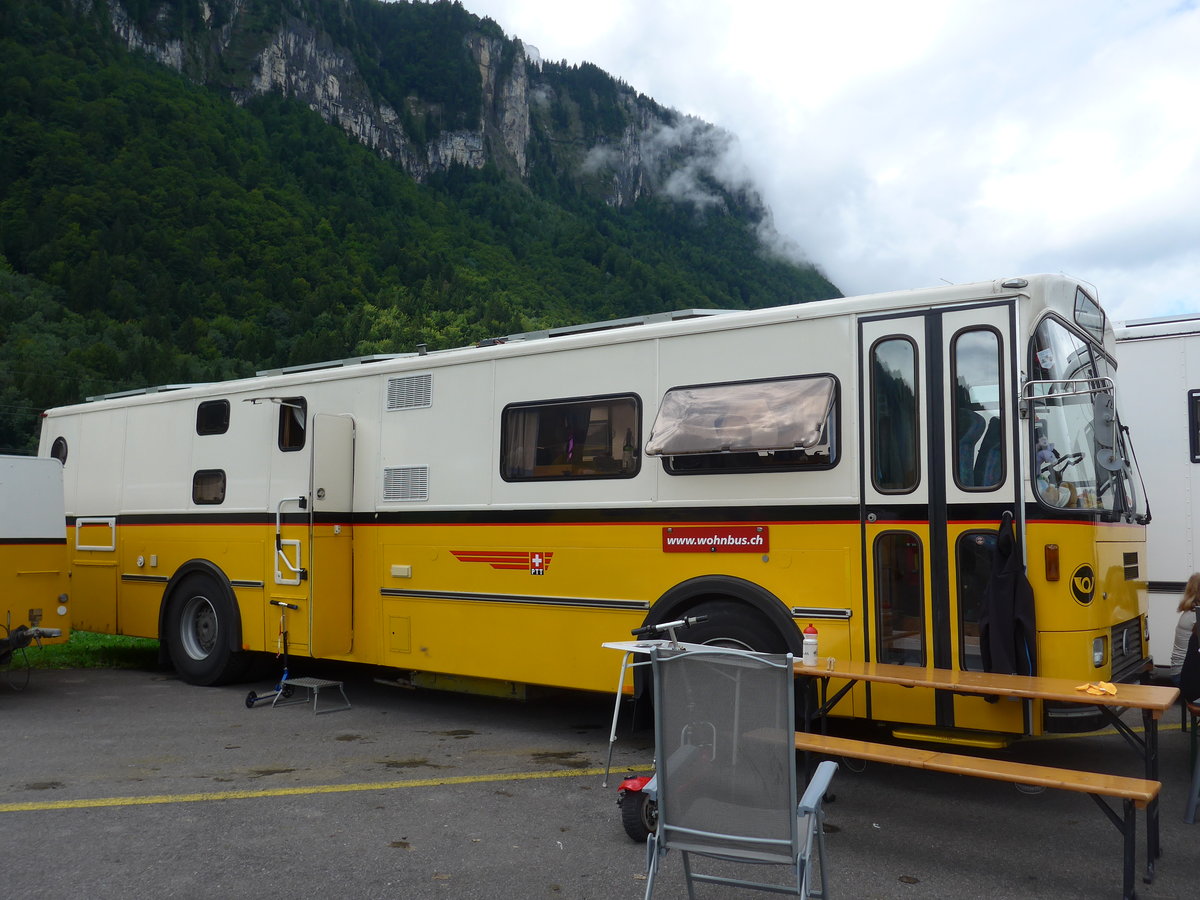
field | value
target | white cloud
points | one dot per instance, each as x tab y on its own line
902	144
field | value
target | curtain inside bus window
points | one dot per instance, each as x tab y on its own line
978	415
899	599
770	425
1069	424
895	447
973	561
594	438
293	414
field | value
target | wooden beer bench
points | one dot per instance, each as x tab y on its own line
1151	701
1134	793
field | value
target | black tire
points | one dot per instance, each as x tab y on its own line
250	698
639	815
733	624
730	623
199	620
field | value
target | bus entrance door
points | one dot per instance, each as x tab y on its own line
938	471
332	550
898	498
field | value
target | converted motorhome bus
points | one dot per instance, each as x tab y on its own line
1159	362
33	555
490	515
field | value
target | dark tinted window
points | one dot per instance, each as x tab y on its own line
208	487
293	423
900	595
973	559
978	447
589	438
212	417
895	438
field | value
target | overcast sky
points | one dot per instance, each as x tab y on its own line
909	144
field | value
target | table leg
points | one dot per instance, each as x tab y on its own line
1153	849
612	735
1147	744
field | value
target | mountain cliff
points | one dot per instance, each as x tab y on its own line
197	189
429	86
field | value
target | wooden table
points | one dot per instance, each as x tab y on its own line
1152	700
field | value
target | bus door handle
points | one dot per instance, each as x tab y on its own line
298	571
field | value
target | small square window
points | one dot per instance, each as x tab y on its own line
208	487
212	417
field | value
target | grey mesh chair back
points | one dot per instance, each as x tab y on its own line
726	761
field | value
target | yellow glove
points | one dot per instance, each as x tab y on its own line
1099	687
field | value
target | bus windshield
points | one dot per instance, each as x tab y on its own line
1080	459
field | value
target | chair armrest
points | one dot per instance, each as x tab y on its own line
815	792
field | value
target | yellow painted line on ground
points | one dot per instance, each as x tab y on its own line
208	796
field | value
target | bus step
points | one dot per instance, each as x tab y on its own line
983	740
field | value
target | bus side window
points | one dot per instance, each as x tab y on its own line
584	438
899	599
208	487
973	562
212	417
293	417
978	410
895	432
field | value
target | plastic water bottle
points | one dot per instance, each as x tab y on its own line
809	657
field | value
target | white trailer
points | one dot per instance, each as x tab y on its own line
1159	366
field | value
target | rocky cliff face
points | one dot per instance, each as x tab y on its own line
298	57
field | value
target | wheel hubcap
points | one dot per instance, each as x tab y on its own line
198	627
729	644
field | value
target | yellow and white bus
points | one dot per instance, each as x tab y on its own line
489	515
33	555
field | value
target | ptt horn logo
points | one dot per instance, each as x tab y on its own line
1083	584
530	561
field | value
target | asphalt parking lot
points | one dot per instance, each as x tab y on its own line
124	784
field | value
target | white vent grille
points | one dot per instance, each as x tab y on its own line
406	483
410	392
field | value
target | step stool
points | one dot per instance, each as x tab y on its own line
313	686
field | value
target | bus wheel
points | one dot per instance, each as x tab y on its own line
735	625
198	620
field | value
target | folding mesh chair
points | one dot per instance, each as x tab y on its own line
725	748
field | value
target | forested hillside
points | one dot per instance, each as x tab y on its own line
153	231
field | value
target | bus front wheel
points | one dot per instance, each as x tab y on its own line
199	619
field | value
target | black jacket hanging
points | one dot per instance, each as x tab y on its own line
1007	630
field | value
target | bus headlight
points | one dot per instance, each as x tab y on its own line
1098	652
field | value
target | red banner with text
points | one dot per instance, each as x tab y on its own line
716	539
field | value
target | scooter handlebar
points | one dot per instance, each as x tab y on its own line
663	627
